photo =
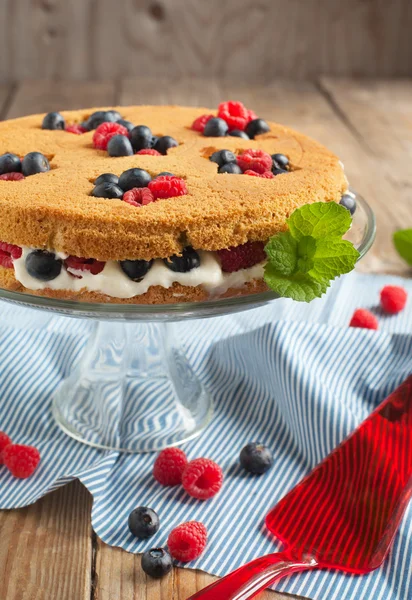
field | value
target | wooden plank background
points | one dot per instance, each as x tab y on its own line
49	550
244	39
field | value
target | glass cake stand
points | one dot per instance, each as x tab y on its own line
133	389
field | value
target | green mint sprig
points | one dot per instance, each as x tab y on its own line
403	244
304	260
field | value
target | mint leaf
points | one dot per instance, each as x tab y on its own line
403	244
304	260
318	220
299	287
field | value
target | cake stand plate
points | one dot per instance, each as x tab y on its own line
134	389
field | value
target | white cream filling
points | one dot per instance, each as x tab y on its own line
112	281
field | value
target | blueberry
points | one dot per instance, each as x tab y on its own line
349	202
277	171
85	125
10	163
156	562
165	173
256	458
53	120
143	522
115	114
164	143
256	127
136	269
107	189
129	126
43	265
238	133
33	163
141	137
222	157
280	161
134	178
232	168
155	139
101	116
184	262
215	128
107	178
119	145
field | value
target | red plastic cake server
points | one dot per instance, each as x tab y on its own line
343	515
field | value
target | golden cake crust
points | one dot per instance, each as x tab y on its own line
54	210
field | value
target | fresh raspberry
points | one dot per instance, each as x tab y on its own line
105	132
21	460
149	152
200	123
235	114
187	541
364	319
75	128
7	253
241	257
84	264
202	478
138	196
4	441
255	160
169	466
167	186
12	176
251	116
265	175
393	299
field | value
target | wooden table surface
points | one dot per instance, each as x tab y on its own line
48	550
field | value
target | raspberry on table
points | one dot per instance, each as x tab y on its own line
4	442
167	186
169	466
265	175
200	123
8	252
255	160
105	132
21	460
364	319
393	299
138	196
149	152
235	114
76	129
202	478
187	541
84	264
12	176
241	257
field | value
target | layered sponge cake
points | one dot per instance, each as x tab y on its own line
151	204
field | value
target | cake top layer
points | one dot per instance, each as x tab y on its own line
55	210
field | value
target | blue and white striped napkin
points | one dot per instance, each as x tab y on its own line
292	376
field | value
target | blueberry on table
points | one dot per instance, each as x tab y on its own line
115	114
129	126
280	161
256	458
349	202
108	178
238	133
277	171
34	163
164	143
215	128
223	157
43	265
133	178
232	168
165	173
9	163
53	120
107	189
184	262
143	522
119	145
256	127
99	117
141	137
157	562
136	269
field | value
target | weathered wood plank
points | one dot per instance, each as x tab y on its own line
45	549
